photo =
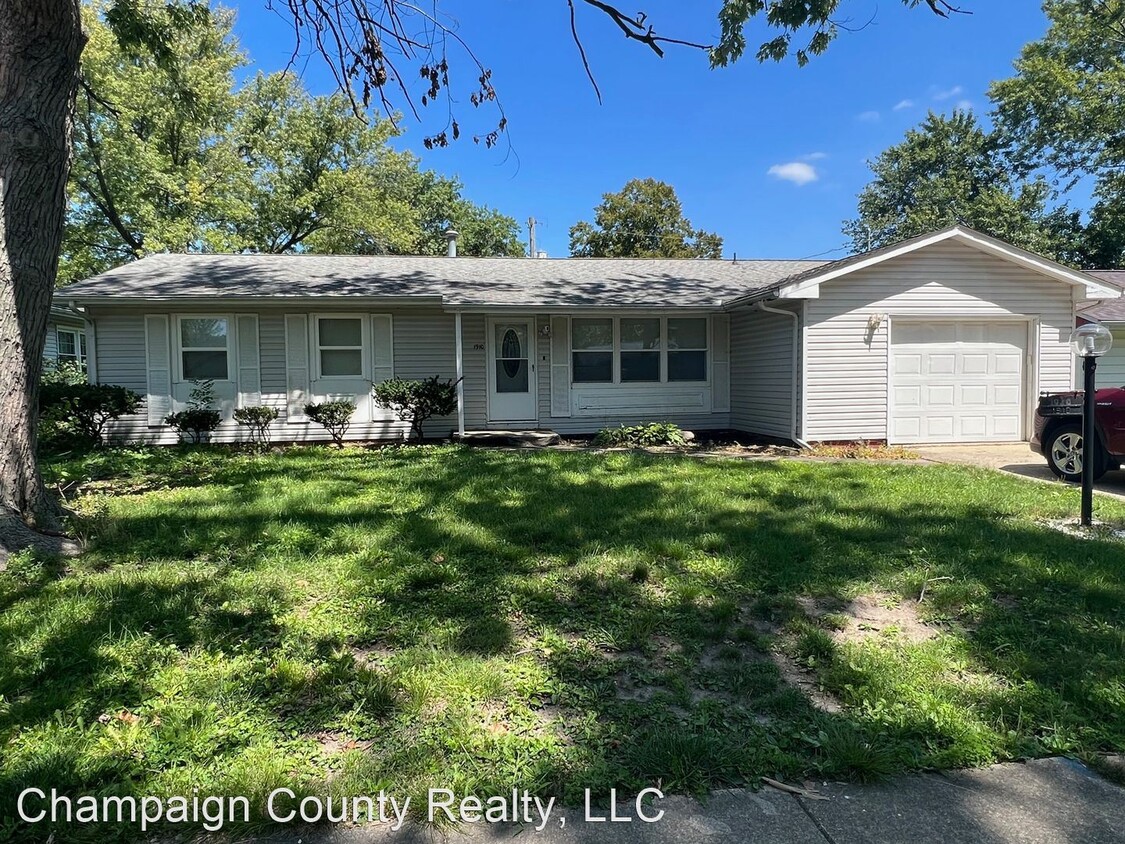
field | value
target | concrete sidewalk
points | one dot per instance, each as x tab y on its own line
1049	801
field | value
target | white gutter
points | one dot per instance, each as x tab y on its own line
795	410
460	375
220	300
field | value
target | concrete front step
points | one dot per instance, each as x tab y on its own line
519	439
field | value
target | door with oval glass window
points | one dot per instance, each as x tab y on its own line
511	375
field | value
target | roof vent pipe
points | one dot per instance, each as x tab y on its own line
451	235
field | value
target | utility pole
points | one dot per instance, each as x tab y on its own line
531	237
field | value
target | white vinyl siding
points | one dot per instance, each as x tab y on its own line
1111	368
422	347
847	329
763	371
51	344
627	404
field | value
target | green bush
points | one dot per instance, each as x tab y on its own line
417	401
334	416
200	418
639	436
258	420
63	372
75	415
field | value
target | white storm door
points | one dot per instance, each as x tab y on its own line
956	382
511	370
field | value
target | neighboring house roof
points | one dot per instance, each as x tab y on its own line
1111	310
804	283
462	281
65	316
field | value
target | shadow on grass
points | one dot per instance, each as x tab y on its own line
587	572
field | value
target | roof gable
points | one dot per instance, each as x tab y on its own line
805	285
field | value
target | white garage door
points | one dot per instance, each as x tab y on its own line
957	381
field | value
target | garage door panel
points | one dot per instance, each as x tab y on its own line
939	364
939	427
974	364
1008	364
974	395
940	396
1007	395
908	396
908	364
1007	426
974	426
957	381
907	428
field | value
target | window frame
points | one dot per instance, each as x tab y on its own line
659	351
664	350
81	349
180	349
706	351
364	347
613	349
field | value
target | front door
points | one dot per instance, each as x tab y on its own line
511	370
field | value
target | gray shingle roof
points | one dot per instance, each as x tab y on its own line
548	282
1108	310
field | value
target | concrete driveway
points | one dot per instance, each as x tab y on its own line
1014	458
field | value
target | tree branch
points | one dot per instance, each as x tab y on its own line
637	29
582	51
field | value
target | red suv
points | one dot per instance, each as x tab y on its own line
1058	432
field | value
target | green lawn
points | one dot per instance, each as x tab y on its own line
401	618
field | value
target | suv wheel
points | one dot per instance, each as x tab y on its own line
1065	454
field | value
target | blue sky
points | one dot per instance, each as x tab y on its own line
769	156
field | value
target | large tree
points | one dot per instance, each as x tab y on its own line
378	50
1063	113
643	220
154	164
950	170
172	156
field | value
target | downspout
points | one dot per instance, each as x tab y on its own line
460	375
797	362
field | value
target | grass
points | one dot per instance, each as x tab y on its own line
404	618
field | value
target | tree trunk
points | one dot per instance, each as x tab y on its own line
40	43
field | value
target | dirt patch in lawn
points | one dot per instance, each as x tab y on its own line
878	614
803	679
333	743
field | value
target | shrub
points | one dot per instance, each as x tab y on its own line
258	420
638	436
76	414
334	416
200	418
417	401
63	372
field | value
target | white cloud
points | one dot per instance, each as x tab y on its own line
868	117
814	156
797	172
948	93
964	105
903	104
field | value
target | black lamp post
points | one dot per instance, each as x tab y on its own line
1090	342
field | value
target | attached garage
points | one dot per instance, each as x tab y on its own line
957	381
946	338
